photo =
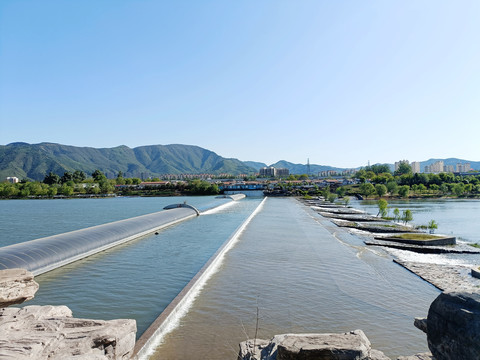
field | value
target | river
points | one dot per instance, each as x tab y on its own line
456	217
301	271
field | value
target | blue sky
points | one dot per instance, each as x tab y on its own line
339	82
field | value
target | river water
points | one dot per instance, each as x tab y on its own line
134	280
455	217
304	275
302	272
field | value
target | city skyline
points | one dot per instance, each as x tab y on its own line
339	83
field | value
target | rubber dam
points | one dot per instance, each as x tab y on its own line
45	254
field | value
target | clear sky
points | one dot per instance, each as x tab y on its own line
339	82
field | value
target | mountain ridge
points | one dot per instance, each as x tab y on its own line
34	161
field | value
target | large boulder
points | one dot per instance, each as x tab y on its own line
16	286
50	332
353	345
453	326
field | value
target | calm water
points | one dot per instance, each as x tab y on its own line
23	220
304	273
454	217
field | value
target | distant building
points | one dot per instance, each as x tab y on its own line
270	171
462	168
12	179
398	163
435	168
449	168
282	172
415	165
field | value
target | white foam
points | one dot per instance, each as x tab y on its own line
440	259
218	208
184	305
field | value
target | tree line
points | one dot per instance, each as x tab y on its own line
77	183
378	180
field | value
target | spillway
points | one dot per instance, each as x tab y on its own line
48	253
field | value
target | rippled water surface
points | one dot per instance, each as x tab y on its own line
304	275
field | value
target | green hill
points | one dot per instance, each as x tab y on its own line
34	161
303	168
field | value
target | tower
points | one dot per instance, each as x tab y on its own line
308	166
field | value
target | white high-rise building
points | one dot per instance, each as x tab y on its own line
436	167
465	167
415	165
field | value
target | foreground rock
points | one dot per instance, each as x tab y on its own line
50	332
16	286
353	345
453	326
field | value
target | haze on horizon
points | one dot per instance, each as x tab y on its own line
339	82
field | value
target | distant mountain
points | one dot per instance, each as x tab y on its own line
303	168
34	161
256	165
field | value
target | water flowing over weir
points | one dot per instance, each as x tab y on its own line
45	254
170	317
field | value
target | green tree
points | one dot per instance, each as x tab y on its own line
213	189
79	176
341	191
367	189
403	168
51	178
403	191
332	197
392	187
67	176
66	190
432	225
346	200
106	187
120	180
468	188
361	175
421	188
136	181
396	214
380	189
407	216
382	207
379	168
444	189
459	189
325	192
52	191
98	175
